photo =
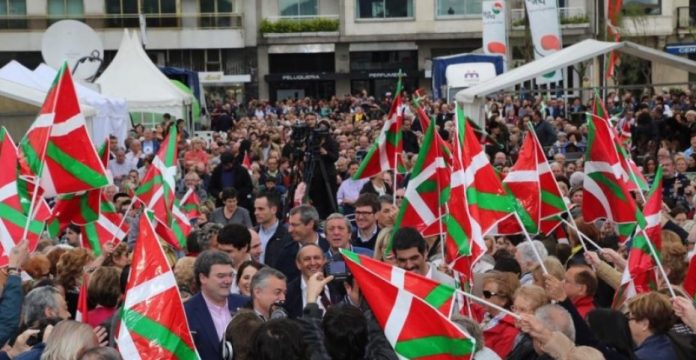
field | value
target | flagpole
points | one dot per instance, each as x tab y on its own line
488	303
113	238
32	205
399	128
580	234
526	234
659	264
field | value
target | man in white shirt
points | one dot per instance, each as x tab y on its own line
121	166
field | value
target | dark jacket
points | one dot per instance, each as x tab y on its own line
545	132
242	183
285	262
202	327
275	244
378	348
656	347
585	337
10	308
368	188
293	299
523	349
32	354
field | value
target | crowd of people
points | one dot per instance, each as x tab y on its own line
279	201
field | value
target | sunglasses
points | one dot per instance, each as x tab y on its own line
489	294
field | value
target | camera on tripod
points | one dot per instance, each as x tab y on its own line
304	137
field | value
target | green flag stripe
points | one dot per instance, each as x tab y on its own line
612	185
93	238
434	345
457	233
439	296
10	214
179	233
76	168
87	212
146	187
551	199
171	147
351	256
157	334
494	202
30	155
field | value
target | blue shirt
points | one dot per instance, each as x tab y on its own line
656	347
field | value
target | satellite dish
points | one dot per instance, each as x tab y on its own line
73	41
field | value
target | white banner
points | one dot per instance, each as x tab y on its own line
494	28
546	33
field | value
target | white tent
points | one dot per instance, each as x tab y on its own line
112	116
473	98
133	76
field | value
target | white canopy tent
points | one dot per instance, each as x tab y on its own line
474	98
133	76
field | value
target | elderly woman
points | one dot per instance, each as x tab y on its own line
197	154
528	298
498	327
649	318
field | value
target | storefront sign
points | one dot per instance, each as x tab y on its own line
681	48
381	74
301	77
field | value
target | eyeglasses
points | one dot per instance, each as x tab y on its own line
489	294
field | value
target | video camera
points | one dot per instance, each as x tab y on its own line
337	268
310	139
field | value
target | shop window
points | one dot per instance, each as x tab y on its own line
12	13
378	60
458	7
216	13
297	8
381	9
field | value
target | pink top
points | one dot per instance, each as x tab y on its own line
98	315
220	314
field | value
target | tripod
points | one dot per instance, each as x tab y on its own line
313	159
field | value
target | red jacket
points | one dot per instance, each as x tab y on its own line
500	334
584	305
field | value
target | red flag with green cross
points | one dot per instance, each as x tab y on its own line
428	187
414	328
157	187
385	153
57	152
152	321
12	215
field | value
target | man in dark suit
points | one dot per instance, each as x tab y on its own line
271	231
310	260
209	311
302	230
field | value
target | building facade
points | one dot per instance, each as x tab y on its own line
273	49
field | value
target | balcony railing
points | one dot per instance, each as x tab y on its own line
566	15
106	21
686	17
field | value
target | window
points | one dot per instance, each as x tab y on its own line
297	8
380	9
642	7
61	9
381	60
216	13
160	13
458	7
11	13
122	13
